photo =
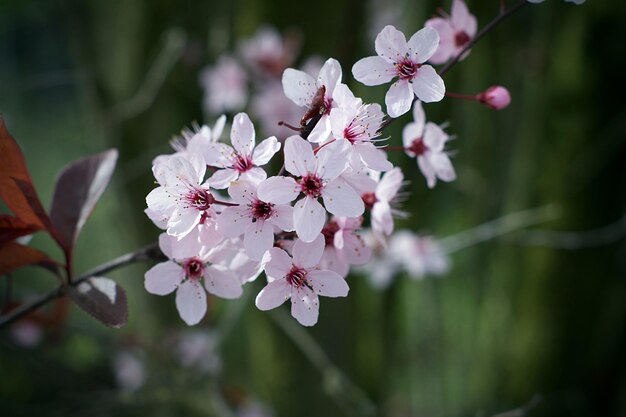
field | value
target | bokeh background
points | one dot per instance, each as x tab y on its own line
535	317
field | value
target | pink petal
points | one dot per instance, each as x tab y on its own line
161	200
283	218
258	239
242	192
399	98
309	217
254	175
428	171
217	130
423	44
328	283
278	190
222	282
242	134
341	200
299	87
391	44
191	302
329	76
389	185
218	155
274	294
443	167
304	306
428	85
373	157
410	132
419	117
265	150
166	243
222	178
163	278
322	130
278	264
332	159
382	221
355	250
299	158
183	220
308	255
332	261
373	70
158	218
233	221
434	137
446	40
344	98
462	19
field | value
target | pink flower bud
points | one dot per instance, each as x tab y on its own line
496	97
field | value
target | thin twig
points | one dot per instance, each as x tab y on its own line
497	20
175	40
146	253
337	383
498	227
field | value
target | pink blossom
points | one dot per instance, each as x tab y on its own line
316	175
181	201
300	279
253	218
419	255
224	86
380	201
359	124
267	53
496	97
185	275
302	89
405	60
344	246
426	142
455	32
243	160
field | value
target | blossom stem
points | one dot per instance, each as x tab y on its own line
461	96
488	28
316	150
149	252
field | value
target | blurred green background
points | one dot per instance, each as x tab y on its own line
529	315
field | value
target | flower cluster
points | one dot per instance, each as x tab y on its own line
332	205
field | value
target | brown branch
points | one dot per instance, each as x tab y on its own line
149	252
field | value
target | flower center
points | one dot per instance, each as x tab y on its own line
296	277
418	147
369	199
242	163
406	69
329	232
461	39
261	210
200	199
193	268
311	185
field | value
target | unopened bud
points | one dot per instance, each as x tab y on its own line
496	97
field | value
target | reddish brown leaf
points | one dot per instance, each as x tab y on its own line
103	299
11	228
13	171
78	188
14	256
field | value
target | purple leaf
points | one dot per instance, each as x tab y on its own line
103	299
78	188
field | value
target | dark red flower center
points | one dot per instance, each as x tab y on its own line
329	232
369	199
311	185
261	210
418	147
193	268
296	277
461	39
200	199
242	163
407	69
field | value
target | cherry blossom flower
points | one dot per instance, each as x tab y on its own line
316	175
181	201
419	255
244	160
315	95
426	141
192	140
344	247
185	275
267	53
359	124
380	201
405	60
455	32
253	218
224	86
300	279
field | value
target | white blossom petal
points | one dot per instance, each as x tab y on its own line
322	130
332	159
308	255
428	85
282	217
278	190
299	87
328	283
274	294
191	302
389	185
299	157
242	192
399	98
233	221
309	217
222	178
218	155
391	44
242	134
329	76
341	200
163	278
373	70
258	239
423	44
304	306
220	281
277	264
265	151
373	157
